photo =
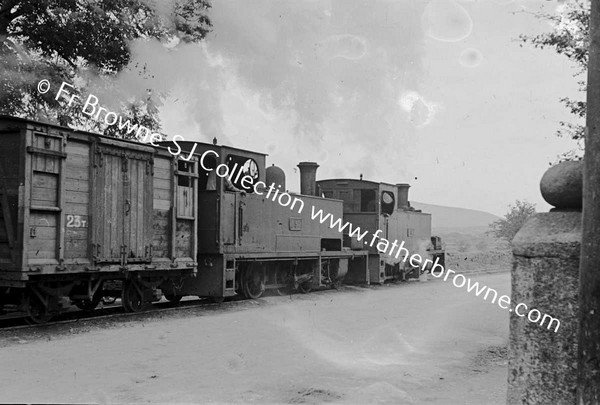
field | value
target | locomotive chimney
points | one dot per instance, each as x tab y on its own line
403	195
308	178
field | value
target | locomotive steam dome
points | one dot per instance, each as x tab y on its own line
275	175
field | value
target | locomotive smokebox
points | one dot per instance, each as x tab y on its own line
308	178
403	196
276	176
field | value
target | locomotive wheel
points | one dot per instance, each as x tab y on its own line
253	282
282	277
217	300
173	298
37	311
132	297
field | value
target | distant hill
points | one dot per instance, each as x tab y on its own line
450	217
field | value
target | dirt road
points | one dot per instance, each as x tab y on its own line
412	343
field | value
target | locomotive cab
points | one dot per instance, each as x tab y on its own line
384	209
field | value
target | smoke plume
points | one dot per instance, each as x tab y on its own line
300	80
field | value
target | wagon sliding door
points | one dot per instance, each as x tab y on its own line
122	226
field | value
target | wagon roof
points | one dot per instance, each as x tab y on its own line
73	130
162	144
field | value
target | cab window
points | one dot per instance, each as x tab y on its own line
387	202
243	166
368	200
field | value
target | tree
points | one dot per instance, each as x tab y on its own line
507	227
569	37
75	40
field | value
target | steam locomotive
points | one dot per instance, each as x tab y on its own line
86	217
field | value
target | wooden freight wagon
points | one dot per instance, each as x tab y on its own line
81	211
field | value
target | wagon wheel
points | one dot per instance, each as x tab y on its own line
174	298
132	297
253	283
37	311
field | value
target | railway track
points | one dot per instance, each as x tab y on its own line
114	312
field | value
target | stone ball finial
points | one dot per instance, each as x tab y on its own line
562	185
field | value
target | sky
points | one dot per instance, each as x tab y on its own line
438	93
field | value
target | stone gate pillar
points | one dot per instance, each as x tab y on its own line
542	363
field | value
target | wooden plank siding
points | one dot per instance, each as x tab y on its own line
186	203
108	220
138	209
184	238
44	232
161	219
10	179
42	243
77	201
44	189
124	201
